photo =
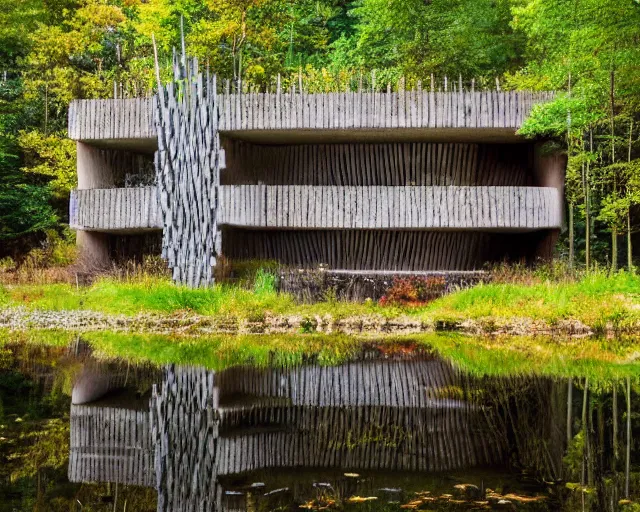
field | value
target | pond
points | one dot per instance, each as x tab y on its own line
384	430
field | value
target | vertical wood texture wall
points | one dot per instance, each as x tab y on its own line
379	164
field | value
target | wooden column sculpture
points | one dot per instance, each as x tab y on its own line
188	170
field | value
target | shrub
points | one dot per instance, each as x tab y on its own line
44	264
414	291
264	282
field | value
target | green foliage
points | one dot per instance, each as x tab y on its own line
24	209
556	118
463	37
50	156
603	361
264	283
587	50
45	448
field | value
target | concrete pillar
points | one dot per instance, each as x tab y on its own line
549	168
93	248
93	383
95	169
544	249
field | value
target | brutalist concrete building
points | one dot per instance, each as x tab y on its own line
408	181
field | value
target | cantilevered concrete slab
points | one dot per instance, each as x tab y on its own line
272	118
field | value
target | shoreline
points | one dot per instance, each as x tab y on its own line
188	323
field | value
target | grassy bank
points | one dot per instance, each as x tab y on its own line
596	300
600	360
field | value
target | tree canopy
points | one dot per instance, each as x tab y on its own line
52	51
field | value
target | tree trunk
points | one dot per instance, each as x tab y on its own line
629	245
614	228
614	248
571	236
585	433
614	415
587	206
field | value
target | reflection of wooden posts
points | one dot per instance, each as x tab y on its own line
396	415
569	411
393	415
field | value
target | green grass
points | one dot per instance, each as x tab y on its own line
599	359
596	300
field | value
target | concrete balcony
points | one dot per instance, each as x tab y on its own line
391	208
115	210
300	207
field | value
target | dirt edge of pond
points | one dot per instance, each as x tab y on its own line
186	323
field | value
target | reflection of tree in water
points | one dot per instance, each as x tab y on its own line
35	389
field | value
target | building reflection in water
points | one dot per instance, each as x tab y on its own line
193	433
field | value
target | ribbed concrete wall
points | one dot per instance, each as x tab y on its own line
387	250
374	438
385	164
307	207
401	383
115	209
134	118
110	444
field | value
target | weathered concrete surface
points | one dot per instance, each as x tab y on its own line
115	210
417	115
388	164
322	203
111	444
125	123
321	207
410	207
93	248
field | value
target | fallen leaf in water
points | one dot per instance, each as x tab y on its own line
523	499
360	499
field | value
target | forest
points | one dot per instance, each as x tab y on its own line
588	51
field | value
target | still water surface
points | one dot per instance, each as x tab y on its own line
381	432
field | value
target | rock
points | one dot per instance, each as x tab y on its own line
469	491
